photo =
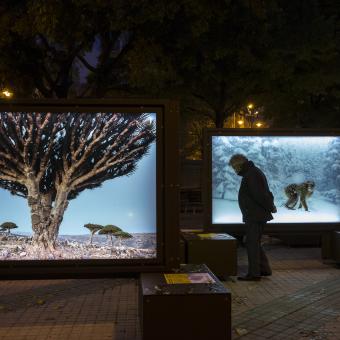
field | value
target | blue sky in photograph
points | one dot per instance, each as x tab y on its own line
128	202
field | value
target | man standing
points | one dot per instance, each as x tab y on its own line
256	203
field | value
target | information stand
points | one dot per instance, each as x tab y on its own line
189	304
217	251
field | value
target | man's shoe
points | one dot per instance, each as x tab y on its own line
266	274
249	278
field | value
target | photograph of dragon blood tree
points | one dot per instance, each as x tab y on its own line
303	174
77	185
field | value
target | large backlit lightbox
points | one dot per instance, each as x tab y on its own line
302	168
88	187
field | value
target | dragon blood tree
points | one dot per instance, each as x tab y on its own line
8	226
110	230
93	228
49	158
121	235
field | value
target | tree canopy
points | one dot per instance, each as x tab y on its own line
83	149
122	235
45	45
282	54
8	226
93	228
110	230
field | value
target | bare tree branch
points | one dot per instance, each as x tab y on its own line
86	64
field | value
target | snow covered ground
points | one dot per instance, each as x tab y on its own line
321	210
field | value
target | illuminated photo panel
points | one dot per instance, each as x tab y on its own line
77	185
303	174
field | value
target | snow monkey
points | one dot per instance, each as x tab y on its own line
296	191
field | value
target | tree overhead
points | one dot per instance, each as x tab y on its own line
302	63
45	43
214	58
49	158
281	54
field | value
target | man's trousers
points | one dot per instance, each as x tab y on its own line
258	263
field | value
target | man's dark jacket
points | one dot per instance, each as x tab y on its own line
255	199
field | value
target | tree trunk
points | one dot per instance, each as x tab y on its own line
91	238
219	120
46	219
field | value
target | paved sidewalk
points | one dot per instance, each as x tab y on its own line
301	300
69	309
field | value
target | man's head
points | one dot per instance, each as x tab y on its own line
237	161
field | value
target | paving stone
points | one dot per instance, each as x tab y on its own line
301	300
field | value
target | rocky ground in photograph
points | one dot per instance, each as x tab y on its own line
20	247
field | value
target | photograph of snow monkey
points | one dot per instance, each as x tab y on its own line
77	185
299	192
303	173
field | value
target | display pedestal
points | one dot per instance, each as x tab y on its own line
326	246
330	248
217	251
197	311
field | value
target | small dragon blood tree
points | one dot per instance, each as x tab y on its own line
8	226
110	230
50	158
120	235
93	229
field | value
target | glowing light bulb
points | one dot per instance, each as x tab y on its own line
7	93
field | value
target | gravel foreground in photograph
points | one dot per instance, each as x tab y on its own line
16	247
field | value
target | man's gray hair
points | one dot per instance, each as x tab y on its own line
238	159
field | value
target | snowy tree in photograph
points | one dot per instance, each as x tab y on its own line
260	150
219	165
224	180
49	158
273	164
331	171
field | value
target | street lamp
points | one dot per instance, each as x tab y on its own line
258	124
6	93
252	115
